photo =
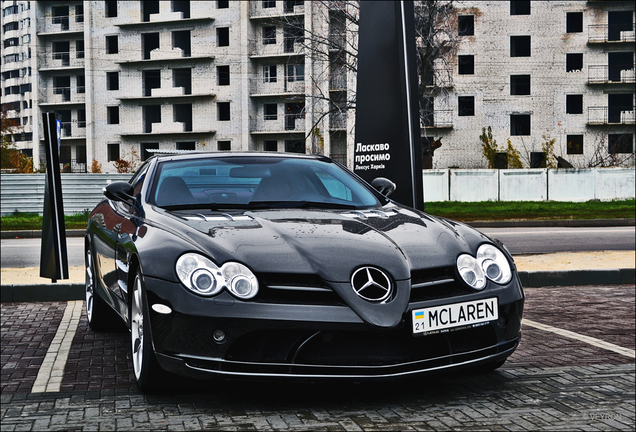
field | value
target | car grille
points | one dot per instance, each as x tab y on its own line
308	289
292	288
436	283
351	348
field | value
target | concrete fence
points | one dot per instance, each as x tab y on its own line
25	192
529	184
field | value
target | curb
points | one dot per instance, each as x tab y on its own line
578	223
476	224
38	234
529	279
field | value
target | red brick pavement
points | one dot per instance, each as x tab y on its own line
99	361
606	313
27	331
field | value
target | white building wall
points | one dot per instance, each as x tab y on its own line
550	83
490	84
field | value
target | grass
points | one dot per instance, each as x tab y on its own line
32	221
532	210
461	211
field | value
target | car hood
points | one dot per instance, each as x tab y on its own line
332	244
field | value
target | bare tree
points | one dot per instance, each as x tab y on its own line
336	48
618	153
436	44
332	44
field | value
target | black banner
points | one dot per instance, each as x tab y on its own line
387	142
53	255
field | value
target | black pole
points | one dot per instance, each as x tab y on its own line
53	253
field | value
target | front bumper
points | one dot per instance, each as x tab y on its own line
317	341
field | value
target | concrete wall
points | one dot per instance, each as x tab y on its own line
25	192
529	184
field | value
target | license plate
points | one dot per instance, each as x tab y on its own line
442	318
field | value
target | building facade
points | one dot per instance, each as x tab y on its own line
128	79
18	69
537	71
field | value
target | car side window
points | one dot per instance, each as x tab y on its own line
138	179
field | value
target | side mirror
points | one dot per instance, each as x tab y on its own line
383	185
119	191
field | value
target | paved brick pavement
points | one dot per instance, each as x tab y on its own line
27	331
550	383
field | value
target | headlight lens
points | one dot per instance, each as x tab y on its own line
494	263
240	280
199	274
490	263
470	271
202	276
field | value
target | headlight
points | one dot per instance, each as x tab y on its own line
470	271
490	263
240	280
203	277
494	264
199	274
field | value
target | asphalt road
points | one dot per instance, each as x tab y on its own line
18	253
547	240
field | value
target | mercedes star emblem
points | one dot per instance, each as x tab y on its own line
371	284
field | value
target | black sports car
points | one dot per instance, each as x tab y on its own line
277	265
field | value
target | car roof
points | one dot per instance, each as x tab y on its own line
221	155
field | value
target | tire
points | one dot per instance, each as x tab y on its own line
147	372
100	316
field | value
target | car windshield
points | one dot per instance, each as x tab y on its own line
257	182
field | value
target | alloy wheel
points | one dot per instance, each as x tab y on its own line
137	329
90	286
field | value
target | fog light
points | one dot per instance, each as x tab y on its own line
162	309
501	322
219	336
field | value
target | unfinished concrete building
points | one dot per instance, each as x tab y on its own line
129	79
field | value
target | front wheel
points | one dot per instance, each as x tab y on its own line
145	367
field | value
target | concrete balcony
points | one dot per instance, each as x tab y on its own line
280	87
288	123
606	74
285	49
167	92
338	121
69	24
338	80
166	54
603	33
602	115
166	16
73	130
279	9
168	127
61	96
59	61
438	119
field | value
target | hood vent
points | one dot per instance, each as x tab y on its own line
366	214
220	217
